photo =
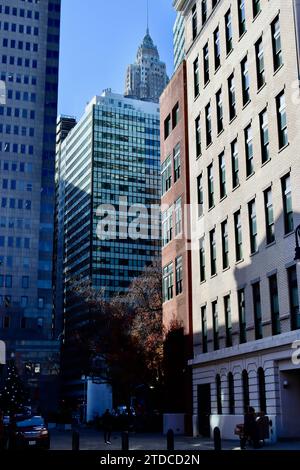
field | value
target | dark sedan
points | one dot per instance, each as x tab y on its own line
29	433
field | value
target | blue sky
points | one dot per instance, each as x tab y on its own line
99	38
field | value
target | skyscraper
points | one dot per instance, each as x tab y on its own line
29	39
147	77
178	40
110	159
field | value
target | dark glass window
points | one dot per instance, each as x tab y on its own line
210	182
256	7
245	80
204	329
231	400
219	394
168	282
246	394
222	175
274	301
214	307
206	63
203	11
276	43
198	136
228	29
252	226
213	252
225	244
196	77
208	124
262	390
177	163
249	150
219	104
179	275
264	136
217	48
202	259
287	204
282	120
238	236
194	21
260	63
242	17
235	164
242	315
257	310
228	321
200	195
231	97
269	215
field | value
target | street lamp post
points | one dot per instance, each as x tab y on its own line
297	249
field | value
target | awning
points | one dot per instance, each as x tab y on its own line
2	352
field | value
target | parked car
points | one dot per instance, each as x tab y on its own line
29	432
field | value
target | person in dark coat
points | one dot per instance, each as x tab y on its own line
107	421
250	427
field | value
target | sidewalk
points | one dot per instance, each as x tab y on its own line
93	440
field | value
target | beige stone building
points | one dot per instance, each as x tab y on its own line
244	149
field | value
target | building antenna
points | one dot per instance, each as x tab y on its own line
148	17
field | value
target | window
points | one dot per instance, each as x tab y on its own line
245	80
231	97
168	282
25	282
210	181
231	401
204	329
177	165
40	302
166	175
242	315
257	310
228	31
219	394
235	164
6	321
167	126
287	204
215	318
178	217
175	115
238	236
222	175
276	43
202	259
208	124
262	390
256	7
203	11
260	63
249	151
217	48
281	120
8	281
225	244
294	298
252	226
24	301
200	195
219	103
213	252
167	226
206	63
274	301
194	21
228	322
264	136
23	322
269	214
246	394
198	136
196	77
179	274
242	17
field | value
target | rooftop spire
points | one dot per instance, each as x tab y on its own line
147	17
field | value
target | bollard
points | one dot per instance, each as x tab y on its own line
170	440
217	439
75	440
125	440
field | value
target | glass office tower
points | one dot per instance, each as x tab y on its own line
29	55
112	155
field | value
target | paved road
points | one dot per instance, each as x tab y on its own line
93	440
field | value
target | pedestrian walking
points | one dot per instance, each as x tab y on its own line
107	420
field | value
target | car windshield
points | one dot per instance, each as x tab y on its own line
34	421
